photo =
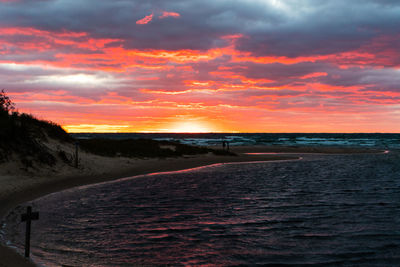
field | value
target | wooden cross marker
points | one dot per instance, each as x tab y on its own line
28	217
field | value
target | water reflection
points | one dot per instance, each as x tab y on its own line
321	210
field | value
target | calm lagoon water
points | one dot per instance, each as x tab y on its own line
339	210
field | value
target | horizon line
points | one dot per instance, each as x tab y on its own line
234	132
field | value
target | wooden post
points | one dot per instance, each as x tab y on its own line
28	217
76	154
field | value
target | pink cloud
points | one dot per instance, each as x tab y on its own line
313	75
166	14
145	20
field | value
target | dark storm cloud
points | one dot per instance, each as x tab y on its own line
378	80
277	71
280	28
324	27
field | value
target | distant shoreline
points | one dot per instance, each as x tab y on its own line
17	189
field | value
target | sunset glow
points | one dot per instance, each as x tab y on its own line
190	127
255	66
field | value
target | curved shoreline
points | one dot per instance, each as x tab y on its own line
31	187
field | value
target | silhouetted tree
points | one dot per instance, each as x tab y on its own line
6	105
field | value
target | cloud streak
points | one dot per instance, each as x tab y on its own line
145	20
166	14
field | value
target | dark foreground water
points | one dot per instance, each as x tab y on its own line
322	210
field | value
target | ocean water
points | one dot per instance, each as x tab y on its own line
323	210
286	139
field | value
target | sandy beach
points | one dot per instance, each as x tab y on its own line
18	186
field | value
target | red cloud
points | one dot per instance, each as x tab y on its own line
166	14
145	20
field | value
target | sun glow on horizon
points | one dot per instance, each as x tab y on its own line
175	127
96	128
190	127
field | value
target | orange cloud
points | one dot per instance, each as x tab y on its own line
106	57
313	75
166	14
41	33
145	20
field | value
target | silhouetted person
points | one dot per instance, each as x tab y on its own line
223	145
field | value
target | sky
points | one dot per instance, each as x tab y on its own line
204	65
